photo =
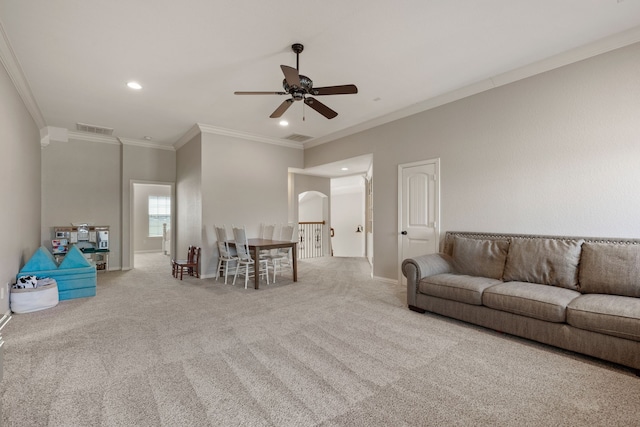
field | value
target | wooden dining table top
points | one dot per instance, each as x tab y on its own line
256	244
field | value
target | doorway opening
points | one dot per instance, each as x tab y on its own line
313	233
151	223
348	207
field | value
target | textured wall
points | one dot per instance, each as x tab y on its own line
555	153
243	183
20	189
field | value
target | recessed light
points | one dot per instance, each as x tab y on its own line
148	138
344	169
134	85
284	123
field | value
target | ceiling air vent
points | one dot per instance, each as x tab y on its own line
298	138
94	129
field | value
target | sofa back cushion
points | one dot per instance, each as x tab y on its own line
476	257
609	268
545	261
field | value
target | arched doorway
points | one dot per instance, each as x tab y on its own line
313	219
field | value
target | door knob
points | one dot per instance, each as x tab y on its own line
403	232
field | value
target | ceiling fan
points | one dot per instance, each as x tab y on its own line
301	87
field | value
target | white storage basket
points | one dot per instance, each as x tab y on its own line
34	299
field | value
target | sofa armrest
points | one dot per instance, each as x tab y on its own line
416	269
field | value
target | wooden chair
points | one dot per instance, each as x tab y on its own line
191	265
175	262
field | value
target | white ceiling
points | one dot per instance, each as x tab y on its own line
190	56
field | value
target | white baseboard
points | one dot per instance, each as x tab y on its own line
385	280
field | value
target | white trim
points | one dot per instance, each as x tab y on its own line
188	136
607	44
85	136
132	183
12	65
385	280
145	144
248	136
200	128
203	128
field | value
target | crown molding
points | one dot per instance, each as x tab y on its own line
145	144
599	47
188	136
84	136
11	64
200	128
248	136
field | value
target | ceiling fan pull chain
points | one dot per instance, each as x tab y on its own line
303	111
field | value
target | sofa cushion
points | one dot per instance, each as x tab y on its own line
544	261
477	257
542	302
456	287
608	268
607	314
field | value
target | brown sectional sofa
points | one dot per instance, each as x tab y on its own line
576	293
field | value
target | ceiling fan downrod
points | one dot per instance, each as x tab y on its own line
297	48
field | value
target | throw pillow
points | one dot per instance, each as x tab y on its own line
544	261
607	268
476	257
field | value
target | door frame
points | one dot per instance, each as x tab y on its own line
132	213
401	168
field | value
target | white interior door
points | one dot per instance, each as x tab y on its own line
419	210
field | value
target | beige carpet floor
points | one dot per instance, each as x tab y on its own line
336	348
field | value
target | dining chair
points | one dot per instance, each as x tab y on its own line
281	258
191	265
226	257
246	264
267	231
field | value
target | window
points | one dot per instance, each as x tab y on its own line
159	213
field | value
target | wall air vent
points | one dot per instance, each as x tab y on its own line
100	130
298	138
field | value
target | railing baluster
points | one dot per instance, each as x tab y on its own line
310	239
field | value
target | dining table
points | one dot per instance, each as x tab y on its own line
257	244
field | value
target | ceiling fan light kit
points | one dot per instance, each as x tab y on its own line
300	87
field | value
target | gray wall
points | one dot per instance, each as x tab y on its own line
89	180
141	165
556	153
20	189
188	230
81	183
243	183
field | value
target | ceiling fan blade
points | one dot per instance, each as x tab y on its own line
291	76
320	107
260	93
335	90
281	109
